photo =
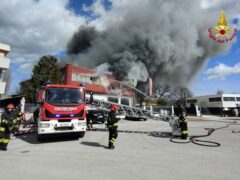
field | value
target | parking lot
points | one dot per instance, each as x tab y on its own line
143	151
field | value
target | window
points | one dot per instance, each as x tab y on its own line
81	78
215	99
87	79
112	99
238	98
63	96
125	101
229	98
74	77
192	101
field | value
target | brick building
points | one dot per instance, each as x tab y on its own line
103	85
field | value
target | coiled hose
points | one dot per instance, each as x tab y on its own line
195	138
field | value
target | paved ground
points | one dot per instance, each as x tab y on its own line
138	155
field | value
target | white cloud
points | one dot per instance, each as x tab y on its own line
97	8
25	68
231	7
34	28
221	71
109	18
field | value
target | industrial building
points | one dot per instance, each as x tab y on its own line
219	104
4	66
103	85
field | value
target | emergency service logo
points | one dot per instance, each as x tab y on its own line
222	33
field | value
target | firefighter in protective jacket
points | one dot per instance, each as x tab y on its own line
19	118
8	120
182	114
112	126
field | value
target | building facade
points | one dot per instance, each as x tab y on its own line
102	84
4	66
216	104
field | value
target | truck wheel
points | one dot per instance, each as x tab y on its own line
40	137
81	134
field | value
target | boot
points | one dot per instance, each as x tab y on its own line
4	147
1	146
111	146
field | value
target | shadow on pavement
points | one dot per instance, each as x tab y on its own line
95	144
29	138
32	138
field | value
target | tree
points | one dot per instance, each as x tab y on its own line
162	101
27	89
47	69
161	91
180	95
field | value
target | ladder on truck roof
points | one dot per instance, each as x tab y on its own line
128	112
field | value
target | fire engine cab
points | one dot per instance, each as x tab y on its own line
61	110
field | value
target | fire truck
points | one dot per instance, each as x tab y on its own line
61	110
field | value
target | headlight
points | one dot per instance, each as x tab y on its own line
44	125
82	124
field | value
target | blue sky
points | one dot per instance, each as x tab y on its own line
74	12
78	7
230	84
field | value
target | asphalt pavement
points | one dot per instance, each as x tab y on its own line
143	151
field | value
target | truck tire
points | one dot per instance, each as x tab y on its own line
40	137
81	134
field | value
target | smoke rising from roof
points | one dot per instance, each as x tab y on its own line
166	40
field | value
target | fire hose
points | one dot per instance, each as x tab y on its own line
195	138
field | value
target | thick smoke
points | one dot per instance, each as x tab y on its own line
166	40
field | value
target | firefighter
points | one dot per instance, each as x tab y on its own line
91	98
19	118
35	116
8	119
112	126
90	120
182	114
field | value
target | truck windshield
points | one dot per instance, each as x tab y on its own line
64	96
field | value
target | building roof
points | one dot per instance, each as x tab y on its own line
85	70
216	95
96	88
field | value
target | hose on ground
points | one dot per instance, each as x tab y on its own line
195	138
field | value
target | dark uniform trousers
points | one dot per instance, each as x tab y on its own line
113	134
112	128
183	123
6	127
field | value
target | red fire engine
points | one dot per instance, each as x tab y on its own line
62	110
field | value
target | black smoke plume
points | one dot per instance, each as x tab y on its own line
165	40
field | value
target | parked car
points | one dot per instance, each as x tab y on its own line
97	116
155	115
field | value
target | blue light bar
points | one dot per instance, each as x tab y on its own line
83	85
57	115
72	115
